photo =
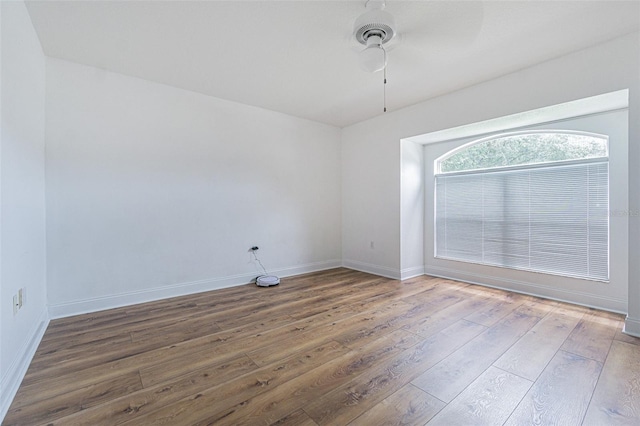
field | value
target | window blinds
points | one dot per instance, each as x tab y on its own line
552	219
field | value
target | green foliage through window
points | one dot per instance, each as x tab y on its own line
523	149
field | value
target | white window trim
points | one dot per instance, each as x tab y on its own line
606	102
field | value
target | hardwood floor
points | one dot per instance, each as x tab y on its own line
337	347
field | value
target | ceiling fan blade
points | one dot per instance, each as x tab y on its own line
449	24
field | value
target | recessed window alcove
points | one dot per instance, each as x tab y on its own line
533	202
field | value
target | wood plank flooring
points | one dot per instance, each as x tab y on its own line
336	347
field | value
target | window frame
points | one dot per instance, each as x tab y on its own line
530	166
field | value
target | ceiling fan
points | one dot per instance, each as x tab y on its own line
374	29
424	24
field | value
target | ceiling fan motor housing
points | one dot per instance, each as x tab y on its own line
374	22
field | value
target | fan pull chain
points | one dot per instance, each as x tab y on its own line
384	86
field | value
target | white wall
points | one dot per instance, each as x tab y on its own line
632	323
371	152
371	197
3	385
22	197
154	191
412	199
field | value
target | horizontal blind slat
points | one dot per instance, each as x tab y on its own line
547	219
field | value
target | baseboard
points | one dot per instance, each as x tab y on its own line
631	326
411	272
382	271
307	268
533	289
78	307
18	368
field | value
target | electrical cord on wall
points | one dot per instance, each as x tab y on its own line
255	256
265	280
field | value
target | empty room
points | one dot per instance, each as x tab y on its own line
303	212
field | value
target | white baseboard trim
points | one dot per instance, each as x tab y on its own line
407	273
631	326
10	383
532	289
77	307
382	271
307	268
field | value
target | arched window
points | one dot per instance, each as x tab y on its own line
537	201
524	148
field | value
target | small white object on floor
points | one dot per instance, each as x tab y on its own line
267	280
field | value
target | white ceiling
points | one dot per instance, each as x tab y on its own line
297	57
